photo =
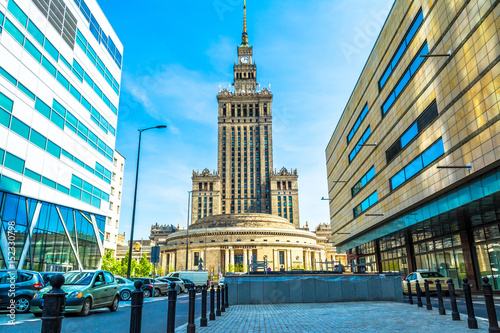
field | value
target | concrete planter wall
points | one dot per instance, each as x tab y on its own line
313	289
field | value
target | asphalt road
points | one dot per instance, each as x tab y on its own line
154	318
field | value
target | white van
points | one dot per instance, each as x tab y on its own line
199	278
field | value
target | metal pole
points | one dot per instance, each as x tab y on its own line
471	318
203	320
172	298
409	291
191	328
453	299
427	295
490	306
442	310
226	305
187	230
218	312
133	209
212	303
53	306
136	308
222	307
419	294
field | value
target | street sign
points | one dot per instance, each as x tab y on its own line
155	254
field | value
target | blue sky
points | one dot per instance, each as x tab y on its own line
177	53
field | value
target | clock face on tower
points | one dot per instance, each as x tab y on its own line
244	60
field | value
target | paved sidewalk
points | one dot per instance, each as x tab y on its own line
334	317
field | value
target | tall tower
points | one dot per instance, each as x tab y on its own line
245	150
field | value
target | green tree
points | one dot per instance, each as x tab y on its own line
124	265
144	268
108	261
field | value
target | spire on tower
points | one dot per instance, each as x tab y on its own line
244	37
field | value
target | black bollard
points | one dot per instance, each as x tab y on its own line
172	298
490	306
212	303
427	295
227	296
218	302
419	294
203	320
471	318
442	311
222	307
191	328
453	299
53	306
408	284
136	308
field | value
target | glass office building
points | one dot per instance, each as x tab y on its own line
414	163
60	68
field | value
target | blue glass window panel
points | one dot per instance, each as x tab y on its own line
2	154
79	162
86	104
89	80
464	195
370	174
373	198
11	28
358	123
82	136
33	50
43	108
1	18
402	83
431	154
82	128
62	80
409	135
114	109
413	167
48	66
35	32
104	123
9	77
51	49
81	44
17	12
490	184
99	167
64	61
94	31
89	169
75	192
53	149
97	192
98	91
94	120
87	187
388	103
62	189
93	54
442	204
20	128
57	119
6	103
96	202
9	184
418	60
102	145
66	154
77	181
93	137
76	94
58	107
86	197
105	197
78	68
48	182
106	100
107	173
111	130
14	163
80	35
33	175
96	114
71	119
398	179
26	90
398	55
365	205
38	139
453	201
416	24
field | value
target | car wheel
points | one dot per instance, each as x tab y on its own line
125	295
22	304
198	289
87	305
147	293
114	305
157	292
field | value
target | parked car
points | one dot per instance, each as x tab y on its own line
165	280
199	278
26	283
126	287
159	287
87	290
431	278
178	282
188	283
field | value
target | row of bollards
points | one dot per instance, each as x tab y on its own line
471	318
222	305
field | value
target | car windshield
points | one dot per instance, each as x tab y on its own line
78	278
431	274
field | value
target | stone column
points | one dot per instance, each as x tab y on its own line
289	256
231	257
306	260
172	256
226	262
276	263
321	265
245	260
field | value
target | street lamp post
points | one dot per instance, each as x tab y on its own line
135	197
187	230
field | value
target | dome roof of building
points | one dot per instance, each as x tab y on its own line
251	220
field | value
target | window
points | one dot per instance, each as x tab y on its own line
367	203
111	205
357	123
108	237
402	48
196	258
6	103
20	128
363	181
359	144
112	191
415	166
14	163
405	78
282	257
417	127
118	209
